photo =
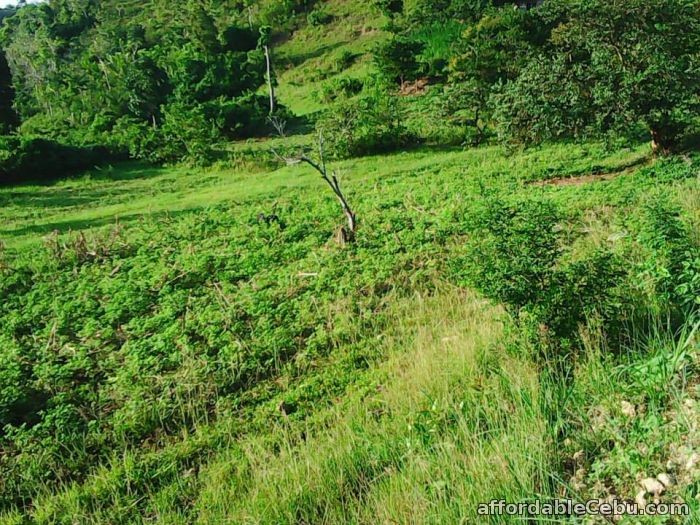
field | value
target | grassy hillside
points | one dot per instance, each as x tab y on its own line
126	192
318	54
168	355
188	363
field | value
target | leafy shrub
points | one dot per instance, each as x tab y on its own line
388	8
244	116
673	267
187	134
515	256
26	158
585	289
133	136
608	66
397	59
514	260
437	39
166	86
340	87
489	53
239	38
319	17
526	113
364	125
457	105
421	12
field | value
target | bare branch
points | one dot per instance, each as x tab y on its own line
279	124
320	150
331	180
320	168
289	161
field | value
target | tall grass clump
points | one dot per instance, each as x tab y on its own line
451	420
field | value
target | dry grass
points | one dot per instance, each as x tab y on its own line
451	420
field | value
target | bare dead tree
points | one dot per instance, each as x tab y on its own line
279	124
331	179
270	86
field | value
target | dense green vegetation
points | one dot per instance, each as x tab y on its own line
516	316
160	80
173	82
151	364
25	158
8	118
608	66
566	69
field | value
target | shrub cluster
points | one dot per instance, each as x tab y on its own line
673	264
595	67
26	158
318	17
515	255
163	83
368	124
340	87
563	69
118	341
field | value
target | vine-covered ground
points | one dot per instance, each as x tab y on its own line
169	356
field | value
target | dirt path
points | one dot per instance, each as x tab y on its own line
576	180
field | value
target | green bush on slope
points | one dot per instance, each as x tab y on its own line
30	159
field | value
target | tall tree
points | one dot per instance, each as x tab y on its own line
610	66
8	117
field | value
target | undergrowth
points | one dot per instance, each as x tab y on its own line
203	365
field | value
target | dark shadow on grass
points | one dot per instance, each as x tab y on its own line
64	227
56	196
128	170
58	199
594	172
298	59
133	170
691	142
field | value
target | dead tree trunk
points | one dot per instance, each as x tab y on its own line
270	87
661	142
345	234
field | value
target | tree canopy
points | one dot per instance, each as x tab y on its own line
156	78
580	67
166	81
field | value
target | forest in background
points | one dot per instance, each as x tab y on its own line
174	82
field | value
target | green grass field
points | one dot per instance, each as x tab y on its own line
191	364
129	192
169	357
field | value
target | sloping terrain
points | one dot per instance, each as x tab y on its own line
186	345
175	340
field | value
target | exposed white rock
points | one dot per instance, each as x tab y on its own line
652	486
640	500
665	479
628	409
577	481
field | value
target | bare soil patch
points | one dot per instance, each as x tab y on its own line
577	180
